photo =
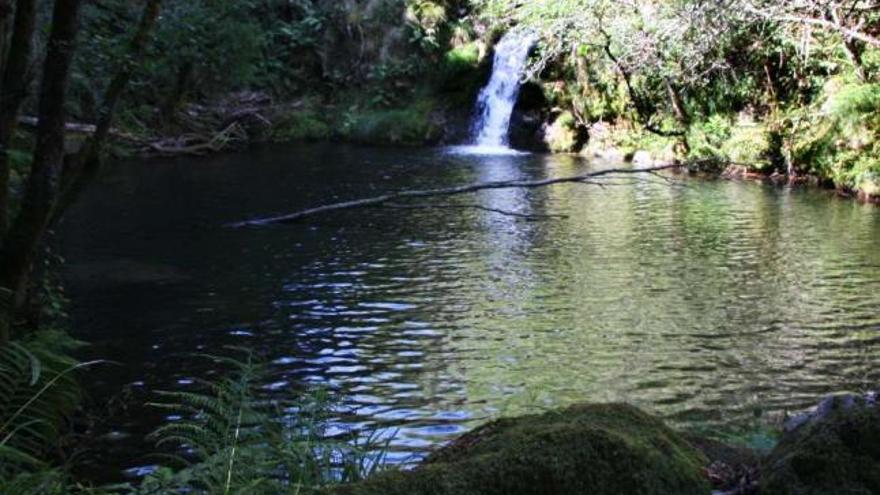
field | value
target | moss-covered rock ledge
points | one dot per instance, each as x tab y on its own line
835	448
604	449
585	449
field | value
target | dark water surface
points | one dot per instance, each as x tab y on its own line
707	303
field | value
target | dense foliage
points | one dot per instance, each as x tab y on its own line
794	81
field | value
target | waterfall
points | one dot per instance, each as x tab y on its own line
496	101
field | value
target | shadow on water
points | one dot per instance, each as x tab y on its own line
705	303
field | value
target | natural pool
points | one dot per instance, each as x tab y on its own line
710	302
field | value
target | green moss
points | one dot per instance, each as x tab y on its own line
301	125
461	75
838	454
463	57
409	126
595	449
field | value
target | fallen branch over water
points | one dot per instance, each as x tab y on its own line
470	206
594	178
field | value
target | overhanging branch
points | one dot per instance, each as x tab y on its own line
823	23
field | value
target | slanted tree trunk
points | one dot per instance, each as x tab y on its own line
644	109
55	180
23	239
86	164
854	54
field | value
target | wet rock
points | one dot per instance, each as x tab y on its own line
608	154
643	159
868	190
529	121
601	144
829	405
586	449
527	130
835	448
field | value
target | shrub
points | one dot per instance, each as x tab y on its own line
706	139
837	138
749	144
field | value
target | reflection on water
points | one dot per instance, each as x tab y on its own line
705	303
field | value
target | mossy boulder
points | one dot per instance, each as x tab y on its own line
835	449
564	135
586	449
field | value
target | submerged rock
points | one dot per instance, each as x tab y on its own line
586	449
835	448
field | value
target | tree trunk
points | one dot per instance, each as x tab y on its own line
87	163
13	91
677	103
175	99
854	54
5	314
5	15
20	247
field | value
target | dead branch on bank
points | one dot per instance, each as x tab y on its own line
209	129
593	178
198	144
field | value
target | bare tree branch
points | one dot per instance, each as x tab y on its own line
589	178
787	17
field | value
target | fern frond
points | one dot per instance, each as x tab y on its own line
236	440
37	392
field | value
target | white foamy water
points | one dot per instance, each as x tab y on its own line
496	101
